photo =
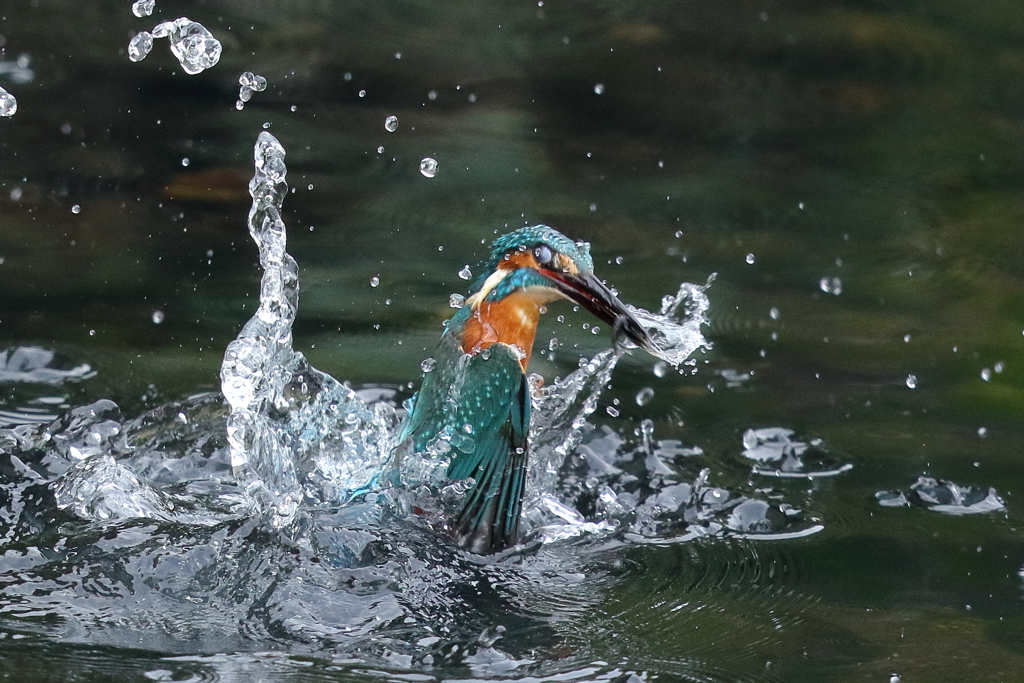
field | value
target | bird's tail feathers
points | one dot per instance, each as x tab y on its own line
489	519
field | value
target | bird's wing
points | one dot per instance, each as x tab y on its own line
495	402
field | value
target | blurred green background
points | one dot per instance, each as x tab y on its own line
852	171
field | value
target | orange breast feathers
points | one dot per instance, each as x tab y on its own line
512	320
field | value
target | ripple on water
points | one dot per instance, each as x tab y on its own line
715	600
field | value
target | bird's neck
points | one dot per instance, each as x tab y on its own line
512	320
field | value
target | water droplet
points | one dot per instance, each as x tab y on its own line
432	95
143	8
465	273
391	124
158	317
644	396
456	301
380	150
428	364
906	338
552	343
76	209
140	46
749	259
374	281
832	286
982	432
92	333
999	367
185	162
16	194
774	313
248	84
618	260
611	410
986	374
660	368
428	167
599	88
911	381
593	207
894	678
192	43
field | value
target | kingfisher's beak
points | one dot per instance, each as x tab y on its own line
586	290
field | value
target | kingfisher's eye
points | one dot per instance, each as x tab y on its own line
543	254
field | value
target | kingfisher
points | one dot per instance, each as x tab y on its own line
474	404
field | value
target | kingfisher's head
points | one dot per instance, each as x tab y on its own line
542	264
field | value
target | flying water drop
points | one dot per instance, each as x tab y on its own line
191	42
140	46
249	83
644	396
456	301
428	364
391	124
8	105
911	381
465	273
833	286
428	167
143	8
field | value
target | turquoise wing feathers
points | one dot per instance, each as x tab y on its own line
481	405
495	401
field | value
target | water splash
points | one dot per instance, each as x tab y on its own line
36	365
675	331
942	495
777	454
294	432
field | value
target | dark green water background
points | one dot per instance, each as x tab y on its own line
880	143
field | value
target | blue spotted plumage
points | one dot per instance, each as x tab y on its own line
474	405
